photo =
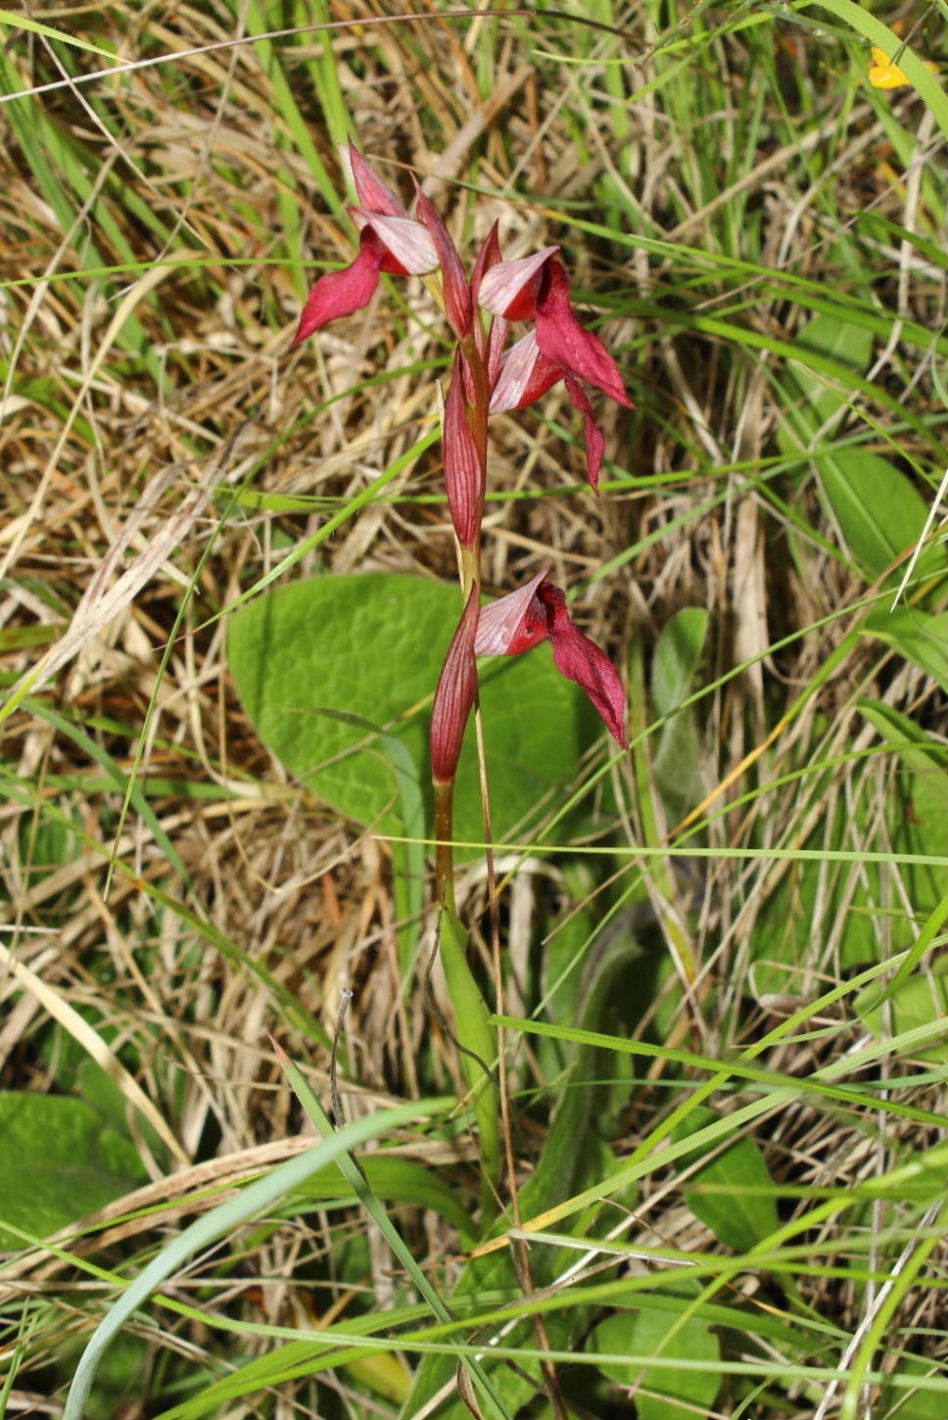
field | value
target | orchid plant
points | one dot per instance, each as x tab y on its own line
487	377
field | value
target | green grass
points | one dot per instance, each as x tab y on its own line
724	994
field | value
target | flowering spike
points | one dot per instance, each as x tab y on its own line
455	695
463	473
457	294
339	293
372	192
563	340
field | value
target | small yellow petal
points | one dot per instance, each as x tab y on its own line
884	74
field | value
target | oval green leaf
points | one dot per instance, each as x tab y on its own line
659	1333
733	1194
58	1164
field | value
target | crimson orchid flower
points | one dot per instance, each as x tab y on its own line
558	348
389	240
537	612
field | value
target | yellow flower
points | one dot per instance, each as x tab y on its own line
884	74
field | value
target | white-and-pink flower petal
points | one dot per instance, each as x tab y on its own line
500	627
508	289
525	375
406	241
516	367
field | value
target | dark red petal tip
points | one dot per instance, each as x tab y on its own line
581	660
339	293
595	439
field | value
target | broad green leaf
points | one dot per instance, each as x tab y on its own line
677	656
815	399
899	1404
654	1333
879	511
58	1164
725	1193
372	645
918	1001
921	638
922	826
96	1087
920	751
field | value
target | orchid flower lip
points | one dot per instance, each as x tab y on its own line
565	341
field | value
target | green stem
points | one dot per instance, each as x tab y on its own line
444	850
